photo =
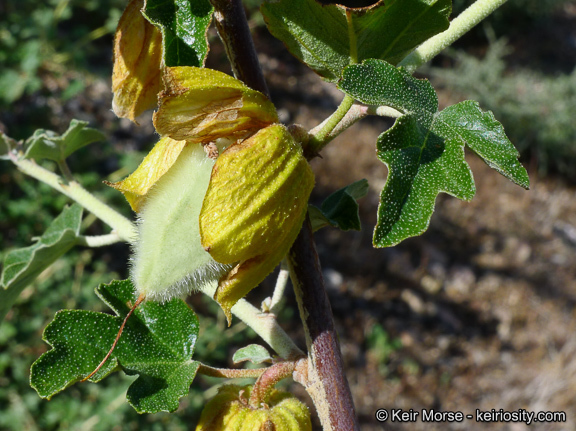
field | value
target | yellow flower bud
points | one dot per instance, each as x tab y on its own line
202	105
137	74
229	411
254	208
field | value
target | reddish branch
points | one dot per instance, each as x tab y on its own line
325	379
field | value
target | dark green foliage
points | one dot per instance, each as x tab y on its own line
424	150
37	37
340	209
537	111
184	25
157	344
328	37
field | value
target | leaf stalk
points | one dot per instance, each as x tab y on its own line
321	135
231	373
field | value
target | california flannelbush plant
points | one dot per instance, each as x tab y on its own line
222	198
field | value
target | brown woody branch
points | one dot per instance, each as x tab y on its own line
324	378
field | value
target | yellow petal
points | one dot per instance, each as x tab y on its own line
254	207
137	185
136	78
201	105
248	274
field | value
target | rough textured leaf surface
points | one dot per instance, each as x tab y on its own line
184	24
330	37
22	266
157	344
421	163
486	137
424	150
46	144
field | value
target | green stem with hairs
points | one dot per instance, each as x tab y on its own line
458	27
321	134
264	324
123	227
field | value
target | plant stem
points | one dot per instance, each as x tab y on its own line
123	227
321	134
264	324
268	380
99	240
280	287
63	166
325	380
458	27
234	31
230	373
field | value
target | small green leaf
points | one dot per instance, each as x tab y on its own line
157	344
46	144
23	265
340	209
253	353
330	37
376	82
184	25
486	137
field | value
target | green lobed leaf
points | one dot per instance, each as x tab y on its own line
486	137
254	353
157	344
46	144
184	24
340	209
424	150
22	266
330	37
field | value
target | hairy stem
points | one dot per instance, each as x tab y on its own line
99	240
123	227
322	134
458	27
230	373
268	380
280	287
325	379
264	324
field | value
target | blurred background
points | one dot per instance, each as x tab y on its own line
479	312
